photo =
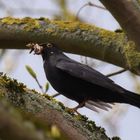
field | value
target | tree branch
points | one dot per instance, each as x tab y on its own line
127	13
11	122
73	37
46	109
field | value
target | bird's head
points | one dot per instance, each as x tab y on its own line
44	49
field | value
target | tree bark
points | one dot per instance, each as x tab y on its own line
40	108
127	13
73	37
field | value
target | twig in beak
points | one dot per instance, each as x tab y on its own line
35	47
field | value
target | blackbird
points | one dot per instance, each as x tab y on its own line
80	82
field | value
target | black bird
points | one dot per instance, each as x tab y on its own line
81	83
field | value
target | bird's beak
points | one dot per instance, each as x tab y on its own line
35	47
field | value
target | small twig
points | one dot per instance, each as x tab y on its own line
89	4
33	74
41	88
97	6
115	73
56	94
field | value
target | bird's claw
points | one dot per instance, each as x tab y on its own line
73	111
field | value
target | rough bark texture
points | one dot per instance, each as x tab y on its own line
40	107
14	126
73	37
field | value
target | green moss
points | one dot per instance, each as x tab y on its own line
44	19
132	56
12	84
72	26
34	91
50	30
18	98
28	101
105	36
13	87
116	138
65	25
53	100
28	23
33	103
110	37
10	20
90	125
28	123
19	95
138	1
81	118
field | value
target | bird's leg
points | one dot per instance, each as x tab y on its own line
74	110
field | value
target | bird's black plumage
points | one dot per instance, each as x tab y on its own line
81	83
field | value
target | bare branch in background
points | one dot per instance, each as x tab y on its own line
127	13
88	4
116	73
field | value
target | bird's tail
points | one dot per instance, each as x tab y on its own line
133	99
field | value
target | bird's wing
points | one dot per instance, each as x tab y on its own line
86	73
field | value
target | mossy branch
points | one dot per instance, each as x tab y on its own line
33	114
73	37
14	125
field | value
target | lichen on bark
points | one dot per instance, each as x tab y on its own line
49	111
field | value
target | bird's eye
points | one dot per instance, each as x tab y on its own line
49	45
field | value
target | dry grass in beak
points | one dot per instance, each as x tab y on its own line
35	47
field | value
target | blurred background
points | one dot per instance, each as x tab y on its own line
122	120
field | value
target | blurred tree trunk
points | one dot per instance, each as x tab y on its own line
26	114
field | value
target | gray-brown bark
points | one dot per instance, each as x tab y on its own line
73	37
42	108
127	13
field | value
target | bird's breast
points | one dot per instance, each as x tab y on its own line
55	77
64	83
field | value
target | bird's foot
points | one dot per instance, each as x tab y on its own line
73	111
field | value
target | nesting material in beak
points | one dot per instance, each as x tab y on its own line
35	47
